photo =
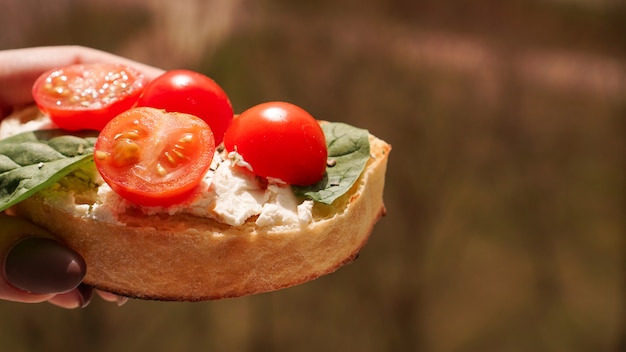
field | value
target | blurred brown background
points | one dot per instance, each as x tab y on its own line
505	187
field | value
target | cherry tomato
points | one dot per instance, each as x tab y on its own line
153	157
279	140
192	93
87	96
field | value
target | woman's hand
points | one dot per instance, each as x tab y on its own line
34	265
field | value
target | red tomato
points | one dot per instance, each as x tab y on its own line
192	93
152	157
280	140
87	96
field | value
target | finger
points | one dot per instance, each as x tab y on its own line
42	265
22	242
111	297
19	68
79	297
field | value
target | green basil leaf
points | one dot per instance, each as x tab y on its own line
348	151
32	161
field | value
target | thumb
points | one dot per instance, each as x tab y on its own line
34	266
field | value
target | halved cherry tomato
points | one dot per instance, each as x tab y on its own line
87	96
280	140
192	93
153	157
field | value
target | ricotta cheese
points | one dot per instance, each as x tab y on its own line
30	119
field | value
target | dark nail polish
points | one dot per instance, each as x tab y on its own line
42	266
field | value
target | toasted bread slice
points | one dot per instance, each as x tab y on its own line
188	258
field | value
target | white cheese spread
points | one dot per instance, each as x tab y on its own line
29	119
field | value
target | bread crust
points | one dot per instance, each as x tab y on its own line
187	258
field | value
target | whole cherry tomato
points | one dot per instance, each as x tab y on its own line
191	93
280	140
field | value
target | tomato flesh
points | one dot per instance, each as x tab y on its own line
152	157
87	96
280	140
192	93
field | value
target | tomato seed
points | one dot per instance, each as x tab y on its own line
187	138
170	158
179	154
126	152
161	171
100	155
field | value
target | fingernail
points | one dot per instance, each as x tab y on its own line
43	266
86	294
121	300
112	297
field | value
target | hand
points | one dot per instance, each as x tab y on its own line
34	266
